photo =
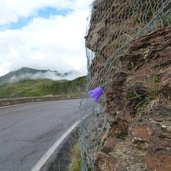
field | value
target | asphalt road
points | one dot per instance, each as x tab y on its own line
27	131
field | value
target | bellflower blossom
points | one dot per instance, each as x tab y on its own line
96	93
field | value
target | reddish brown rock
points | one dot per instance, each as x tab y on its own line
140	132
128	157
119	128
140	98
161	113
166	127
158	161
115	97
101	161
109	145
112	163
165	85
158	156
137	87
158	143
105	162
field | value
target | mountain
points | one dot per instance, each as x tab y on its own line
34	74
43	87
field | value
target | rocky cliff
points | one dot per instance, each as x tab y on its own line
137	87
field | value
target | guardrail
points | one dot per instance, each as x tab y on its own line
14	101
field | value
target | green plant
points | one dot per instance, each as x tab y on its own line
167	20
134	95
76	162
137	96
153	93
156	79
153	88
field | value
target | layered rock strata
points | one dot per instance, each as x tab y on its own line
138	99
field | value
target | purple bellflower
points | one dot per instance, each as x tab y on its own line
96	93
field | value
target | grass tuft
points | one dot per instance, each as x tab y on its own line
76	162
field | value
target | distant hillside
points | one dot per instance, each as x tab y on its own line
43	87
34	74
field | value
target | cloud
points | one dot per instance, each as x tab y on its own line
4	68
55	43
12	10
44	75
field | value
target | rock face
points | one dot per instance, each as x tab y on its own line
138	100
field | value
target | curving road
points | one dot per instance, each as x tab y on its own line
27	131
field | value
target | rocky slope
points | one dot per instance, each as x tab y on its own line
139	107
138	97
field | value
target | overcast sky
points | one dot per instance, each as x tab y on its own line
43	34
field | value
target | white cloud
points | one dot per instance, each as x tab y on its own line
55	43
12	10
44	75
4	68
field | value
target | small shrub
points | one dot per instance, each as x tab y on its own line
153	93
137	96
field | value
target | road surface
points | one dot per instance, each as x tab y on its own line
27	131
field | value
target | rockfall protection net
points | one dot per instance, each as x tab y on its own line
113	25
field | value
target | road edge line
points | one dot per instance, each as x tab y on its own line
52	149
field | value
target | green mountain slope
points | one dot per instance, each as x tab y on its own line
31	88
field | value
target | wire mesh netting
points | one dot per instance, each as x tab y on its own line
92	125
114	24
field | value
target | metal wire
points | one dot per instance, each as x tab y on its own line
93	122
114	24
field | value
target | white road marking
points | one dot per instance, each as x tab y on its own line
49	153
